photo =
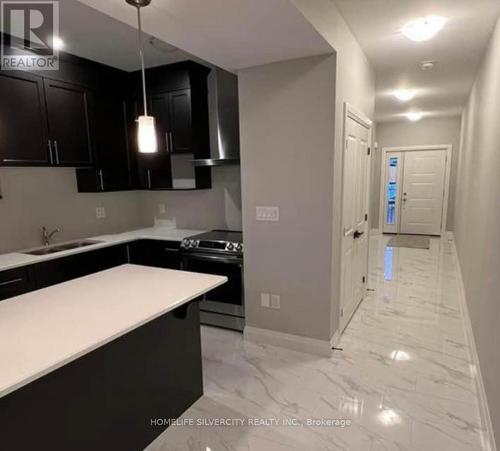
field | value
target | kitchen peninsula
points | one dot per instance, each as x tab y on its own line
90	363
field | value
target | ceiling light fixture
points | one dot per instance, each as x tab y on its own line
146	134
414	116
423	28
404	95
57	43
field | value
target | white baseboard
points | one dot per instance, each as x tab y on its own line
487	436
374	232
335	339
293	342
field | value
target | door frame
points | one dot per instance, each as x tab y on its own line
351	112
447	180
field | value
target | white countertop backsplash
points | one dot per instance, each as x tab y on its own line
17	259
48	328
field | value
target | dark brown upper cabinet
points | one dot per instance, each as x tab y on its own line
23	121
177	99
70	118
112	171
180	122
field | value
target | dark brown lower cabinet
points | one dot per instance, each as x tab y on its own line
157	253
67	268
161	254
16	281
117	397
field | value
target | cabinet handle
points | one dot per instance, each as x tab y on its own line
10	282
171	141
57	151
50	153
101	179
149	179
167	142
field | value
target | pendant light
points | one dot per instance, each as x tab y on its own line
146	135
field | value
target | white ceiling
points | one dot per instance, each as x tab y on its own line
458	50
232	34
98	37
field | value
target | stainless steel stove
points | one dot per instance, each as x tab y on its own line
219	252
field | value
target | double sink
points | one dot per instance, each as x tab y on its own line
62	247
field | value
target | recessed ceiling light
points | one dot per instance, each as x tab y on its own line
404	95
423	28
414	116
57	43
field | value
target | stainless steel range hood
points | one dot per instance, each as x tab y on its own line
224	120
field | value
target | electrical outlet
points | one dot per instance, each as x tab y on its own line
161	209
275	301
265	300
100	212
268	214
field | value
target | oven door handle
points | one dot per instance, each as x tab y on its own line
215	258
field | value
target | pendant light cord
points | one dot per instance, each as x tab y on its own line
141	56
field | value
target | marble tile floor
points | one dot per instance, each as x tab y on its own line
404	380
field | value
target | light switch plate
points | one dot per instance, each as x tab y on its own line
161	209
265	300
275	301
268	214
100	213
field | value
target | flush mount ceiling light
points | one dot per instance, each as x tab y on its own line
414	116
404	95
146	134
423	28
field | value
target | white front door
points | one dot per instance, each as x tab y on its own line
423	192
354	272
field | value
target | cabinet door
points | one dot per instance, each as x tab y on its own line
16	281
157	253
113	171
67	268
180	122
23	135
70	117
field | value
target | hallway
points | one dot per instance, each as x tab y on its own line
404	380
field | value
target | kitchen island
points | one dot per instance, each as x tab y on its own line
93	362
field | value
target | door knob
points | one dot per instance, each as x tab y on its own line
357	234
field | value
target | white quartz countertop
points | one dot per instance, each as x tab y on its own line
18	259
46	329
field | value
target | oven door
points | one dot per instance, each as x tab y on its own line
228	298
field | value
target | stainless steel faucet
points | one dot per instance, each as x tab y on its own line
47	236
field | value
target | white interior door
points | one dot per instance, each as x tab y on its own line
354	219
423	192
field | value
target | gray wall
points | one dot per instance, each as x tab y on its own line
477	219
355	84
219	207
439	130
287	134
33	197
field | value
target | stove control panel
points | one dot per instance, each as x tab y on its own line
220	246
